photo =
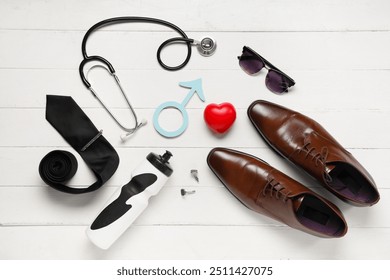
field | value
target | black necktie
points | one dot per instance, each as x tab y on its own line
63	113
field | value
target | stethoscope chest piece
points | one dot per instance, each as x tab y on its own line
207	46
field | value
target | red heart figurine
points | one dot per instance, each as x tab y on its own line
219	117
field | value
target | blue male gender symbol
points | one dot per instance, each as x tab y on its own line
195	86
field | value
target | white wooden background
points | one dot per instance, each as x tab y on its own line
337	52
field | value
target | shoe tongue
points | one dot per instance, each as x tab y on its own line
297	201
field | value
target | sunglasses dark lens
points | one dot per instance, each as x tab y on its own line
276	82
250	63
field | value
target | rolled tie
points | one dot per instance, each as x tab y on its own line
57	167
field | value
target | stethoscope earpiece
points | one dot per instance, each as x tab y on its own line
126	135
206	46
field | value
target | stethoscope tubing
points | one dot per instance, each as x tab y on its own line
127	19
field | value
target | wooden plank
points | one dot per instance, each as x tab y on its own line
194	242
320	90
209	206
194	15
327	51
21	166
363	125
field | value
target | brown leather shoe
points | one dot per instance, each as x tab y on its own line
308	145
263	189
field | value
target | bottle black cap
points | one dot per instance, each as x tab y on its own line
161	162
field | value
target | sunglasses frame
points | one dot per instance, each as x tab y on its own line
268	65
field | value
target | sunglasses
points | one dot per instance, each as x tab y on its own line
276	81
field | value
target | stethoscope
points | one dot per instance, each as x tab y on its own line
206	47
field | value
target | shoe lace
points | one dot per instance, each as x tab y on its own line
272	187
318	157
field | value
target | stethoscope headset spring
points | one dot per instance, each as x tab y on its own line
206	47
